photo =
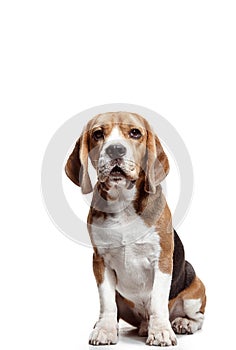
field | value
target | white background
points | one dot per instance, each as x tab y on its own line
61	57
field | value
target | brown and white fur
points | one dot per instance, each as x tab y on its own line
138	260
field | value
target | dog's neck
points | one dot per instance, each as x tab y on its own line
113	199
117	200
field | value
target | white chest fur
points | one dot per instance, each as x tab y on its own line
131	249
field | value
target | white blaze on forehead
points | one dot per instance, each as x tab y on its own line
115	135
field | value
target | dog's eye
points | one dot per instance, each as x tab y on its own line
98	135
135	133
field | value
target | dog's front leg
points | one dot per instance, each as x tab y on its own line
159	328
106	329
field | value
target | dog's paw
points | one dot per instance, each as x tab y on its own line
185	326
160	334
104	333
162	337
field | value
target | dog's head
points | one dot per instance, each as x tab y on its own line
121	147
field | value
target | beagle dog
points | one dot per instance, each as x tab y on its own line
138	261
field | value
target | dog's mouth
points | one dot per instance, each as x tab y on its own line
117	172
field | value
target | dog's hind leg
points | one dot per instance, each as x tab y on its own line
126	311
187	309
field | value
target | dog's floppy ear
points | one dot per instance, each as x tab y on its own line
77	165
157	164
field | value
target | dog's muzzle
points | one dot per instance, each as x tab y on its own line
114	165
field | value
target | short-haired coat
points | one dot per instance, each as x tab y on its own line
138	260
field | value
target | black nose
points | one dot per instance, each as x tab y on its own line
116	151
